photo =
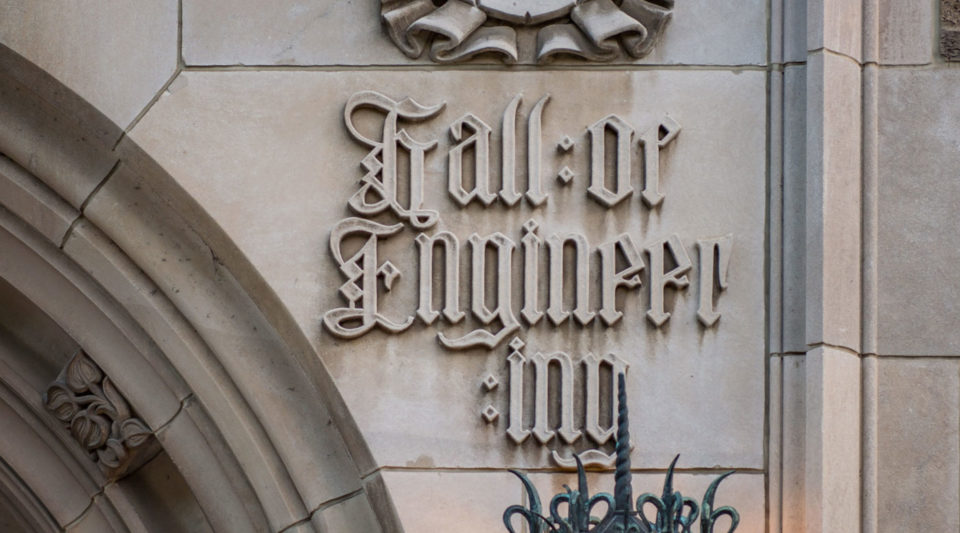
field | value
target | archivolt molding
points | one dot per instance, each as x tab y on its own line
105	243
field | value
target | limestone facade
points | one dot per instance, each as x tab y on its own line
322	266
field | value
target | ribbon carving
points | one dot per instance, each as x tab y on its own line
456	30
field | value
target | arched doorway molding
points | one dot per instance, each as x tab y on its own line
102	242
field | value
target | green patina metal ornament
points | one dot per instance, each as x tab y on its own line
675	513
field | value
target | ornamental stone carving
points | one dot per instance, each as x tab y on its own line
594	30
89	405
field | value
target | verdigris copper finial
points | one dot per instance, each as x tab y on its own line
674	512
622	518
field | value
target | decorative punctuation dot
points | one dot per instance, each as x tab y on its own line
565	176
516	343
530	226
565	144
490	414
490	382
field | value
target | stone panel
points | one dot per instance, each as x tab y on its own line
115	54
918	283
905	31
471	502
918	446
418	404
295	32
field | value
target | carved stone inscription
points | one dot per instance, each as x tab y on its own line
481	289
522	259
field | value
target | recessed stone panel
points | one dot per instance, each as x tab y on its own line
917	444
294	167
918	284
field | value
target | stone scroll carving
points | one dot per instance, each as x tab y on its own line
594	30
89	405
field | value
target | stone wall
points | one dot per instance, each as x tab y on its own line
407	245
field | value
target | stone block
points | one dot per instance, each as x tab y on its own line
833	201
918	283
831	449
470	502
156	498
34	202
418	404
115	54
794	32
905	31
99	517
37	459
301	33
353	515
918	444
42	130
213	479
835	25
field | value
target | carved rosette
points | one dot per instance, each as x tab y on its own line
456	30
86	401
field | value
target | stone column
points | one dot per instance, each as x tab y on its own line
833	262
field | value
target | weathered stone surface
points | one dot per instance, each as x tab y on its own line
52	133
453	501
918	248
905	32
405	390
793	297
294	32
950	29
918	444
794	32
835	25
115	54
793	427
832	202
34	202
353	515
831	448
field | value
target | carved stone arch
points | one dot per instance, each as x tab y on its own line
102	252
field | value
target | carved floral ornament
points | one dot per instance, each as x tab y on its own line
87	402
456	30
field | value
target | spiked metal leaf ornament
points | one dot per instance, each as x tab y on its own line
675	513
